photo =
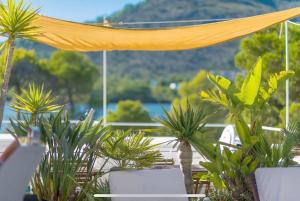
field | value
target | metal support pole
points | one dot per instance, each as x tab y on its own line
104	76
287	92
104	87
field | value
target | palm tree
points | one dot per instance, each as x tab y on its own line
15	22
184	124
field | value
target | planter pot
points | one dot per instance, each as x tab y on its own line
30	197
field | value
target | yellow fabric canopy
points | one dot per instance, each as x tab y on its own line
82	37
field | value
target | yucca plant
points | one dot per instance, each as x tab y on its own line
184	123
70	148
15	22
35	101
129	149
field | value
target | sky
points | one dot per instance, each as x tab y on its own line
79	10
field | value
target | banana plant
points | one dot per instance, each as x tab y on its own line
253	94
234	169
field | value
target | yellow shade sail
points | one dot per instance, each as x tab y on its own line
82	37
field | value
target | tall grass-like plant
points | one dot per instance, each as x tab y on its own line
184	123
15	22
70	148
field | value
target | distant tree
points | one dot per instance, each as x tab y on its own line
75	75
26	68
125	88
294	113
191	89
129	111
270	45
163	93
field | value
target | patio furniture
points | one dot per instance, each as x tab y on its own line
165	162
198	183
277	184
83	175
17	170
201	184
147	185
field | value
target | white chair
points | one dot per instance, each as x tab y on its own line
154	181
278	184
17	170
147	185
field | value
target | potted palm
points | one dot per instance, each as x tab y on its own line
184	123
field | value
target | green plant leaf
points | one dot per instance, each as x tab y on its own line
251	85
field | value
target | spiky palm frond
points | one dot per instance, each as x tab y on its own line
129	149
16	20
35	101
183	123
279	155
70	152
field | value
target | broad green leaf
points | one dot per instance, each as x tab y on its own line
277	77
243	131
221	82
251	85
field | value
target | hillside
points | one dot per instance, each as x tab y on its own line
159	64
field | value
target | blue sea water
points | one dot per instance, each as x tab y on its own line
154	109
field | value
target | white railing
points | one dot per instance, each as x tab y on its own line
145	124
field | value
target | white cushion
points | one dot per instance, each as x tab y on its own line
278	184
17	170
154	181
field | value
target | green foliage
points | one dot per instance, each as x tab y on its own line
75	75
35	101
125	88
33	104
233	170
129	111
73	150
26	67
128	149
270	45
217	195
189	90
230	170
294	115
251	95
70	148
281	154
16	20
183	123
